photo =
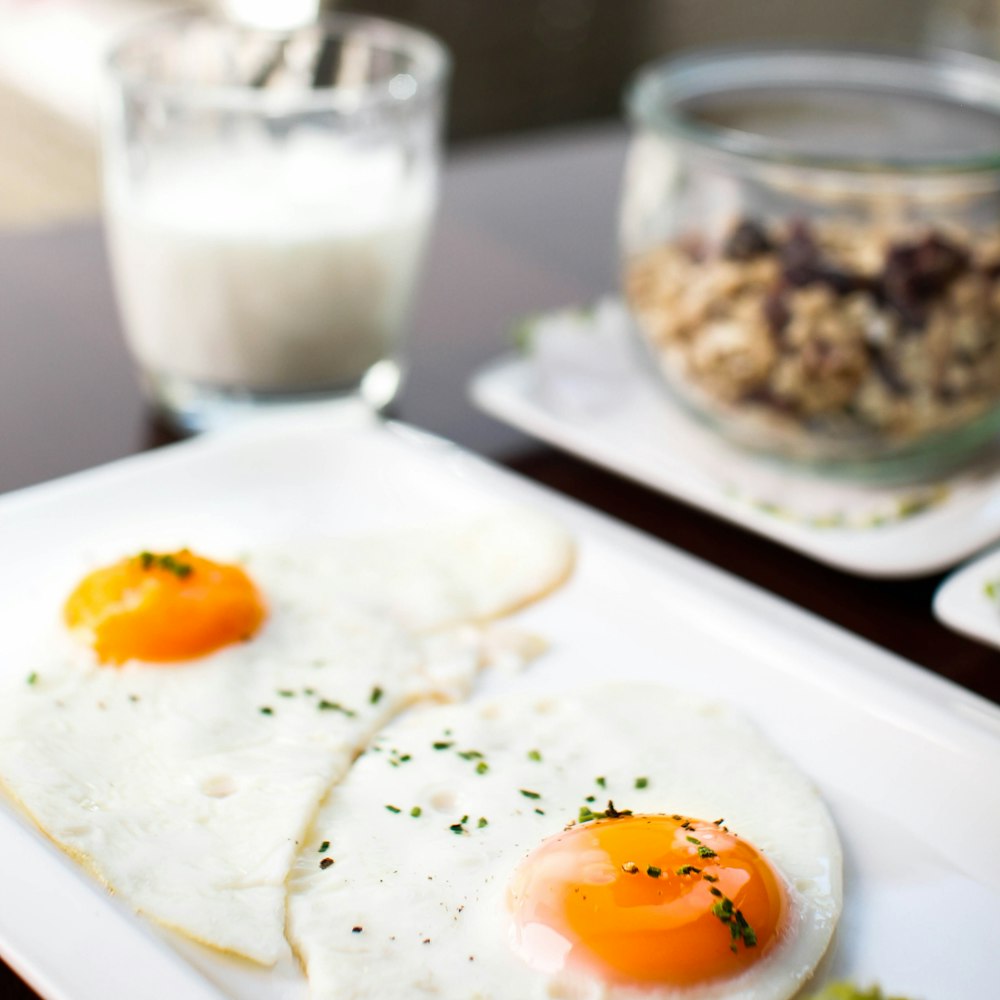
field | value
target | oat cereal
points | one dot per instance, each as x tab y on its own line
826	342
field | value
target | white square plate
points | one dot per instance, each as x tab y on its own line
902	758
581	386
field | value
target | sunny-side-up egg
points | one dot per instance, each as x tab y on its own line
189	715
626	841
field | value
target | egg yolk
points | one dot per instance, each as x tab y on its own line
646	899
164	607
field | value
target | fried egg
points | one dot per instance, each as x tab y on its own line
625	841
186	721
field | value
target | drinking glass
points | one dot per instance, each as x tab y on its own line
268	196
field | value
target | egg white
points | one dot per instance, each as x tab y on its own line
430	903
433	576
187	787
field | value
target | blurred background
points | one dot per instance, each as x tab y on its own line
520	65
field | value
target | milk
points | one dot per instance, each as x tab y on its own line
269	268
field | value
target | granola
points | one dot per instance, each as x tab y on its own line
826	342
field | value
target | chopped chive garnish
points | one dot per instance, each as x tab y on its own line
335	706
376	695
541	812
469	754
534	755
688	870
179	569
529	794
692	840
715	892
168	562
482	767
457	828
287	694
442	745
706	852
641	782
32	678
483	821
587	814
601	782
266	710
653	872
416	811
324	847
739	929
590	798
710	878
393	809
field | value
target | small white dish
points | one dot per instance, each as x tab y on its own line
579	385
968	601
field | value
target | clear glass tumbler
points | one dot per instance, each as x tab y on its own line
268	197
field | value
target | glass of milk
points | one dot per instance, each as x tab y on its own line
268	196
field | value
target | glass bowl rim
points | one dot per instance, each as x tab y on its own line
431	66
655	92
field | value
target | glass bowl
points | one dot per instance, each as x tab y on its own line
811	251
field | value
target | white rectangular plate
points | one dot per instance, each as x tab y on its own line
582	388
901	757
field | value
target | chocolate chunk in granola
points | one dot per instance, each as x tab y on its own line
748	240
917	273
803	264
844	282
800	256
